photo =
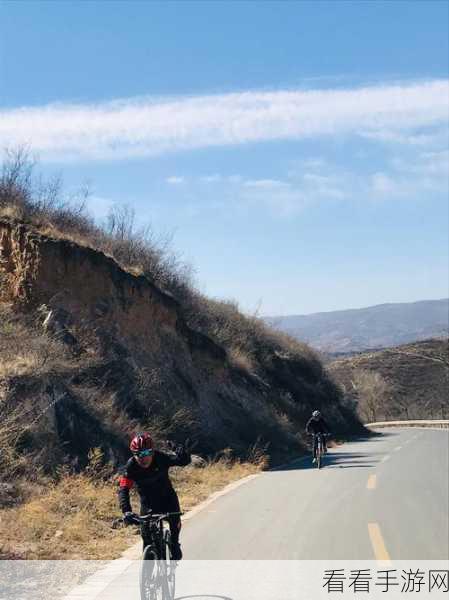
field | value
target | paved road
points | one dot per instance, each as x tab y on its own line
398	481
385	498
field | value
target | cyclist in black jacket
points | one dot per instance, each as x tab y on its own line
316	424
148	470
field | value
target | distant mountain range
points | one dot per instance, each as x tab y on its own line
381	326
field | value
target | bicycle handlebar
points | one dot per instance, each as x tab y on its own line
140	519
157	517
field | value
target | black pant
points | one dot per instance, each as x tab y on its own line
164	505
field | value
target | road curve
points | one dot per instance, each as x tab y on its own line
382	498
397	481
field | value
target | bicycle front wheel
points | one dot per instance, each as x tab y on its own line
152	576
170	566
318	455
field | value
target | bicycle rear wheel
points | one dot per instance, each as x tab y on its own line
152	576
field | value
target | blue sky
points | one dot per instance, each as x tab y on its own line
298	151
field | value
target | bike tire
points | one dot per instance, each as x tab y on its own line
170	566
318	454
152	579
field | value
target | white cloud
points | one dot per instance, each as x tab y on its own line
216	178
312	163
282	202
175	180
144	127
330	185
267	184
398	178
382	183
433	164
419	138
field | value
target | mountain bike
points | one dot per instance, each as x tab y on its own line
319	442
157	571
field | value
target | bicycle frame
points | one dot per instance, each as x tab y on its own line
157	577
155	524
318	440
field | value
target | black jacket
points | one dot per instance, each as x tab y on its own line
153	484
317	426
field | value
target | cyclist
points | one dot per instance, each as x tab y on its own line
316	424
148	469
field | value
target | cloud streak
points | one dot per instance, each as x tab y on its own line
147	127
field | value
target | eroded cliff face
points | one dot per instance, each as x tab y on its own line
99	297
134	350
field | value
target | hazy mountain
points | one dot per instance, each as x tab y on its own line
365	328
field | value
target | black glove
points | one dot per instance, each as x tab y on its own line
184	448
176	448
129	518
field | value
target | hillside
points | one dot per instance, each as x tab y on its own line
412	380
102	334
356	330
101	352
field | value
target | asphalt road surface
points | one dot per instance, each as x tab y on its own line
398	482
385	498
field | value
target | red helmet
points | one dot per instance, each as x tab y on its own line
141	441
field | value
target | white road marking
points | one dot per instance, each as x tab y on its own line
385	458
397	448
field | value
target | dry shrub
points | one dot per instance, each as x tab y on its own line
25	348
258	454
246	334
72	519
28	198
241	360
371	389
10	429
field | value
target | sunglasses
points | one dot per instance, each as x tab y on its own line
144	453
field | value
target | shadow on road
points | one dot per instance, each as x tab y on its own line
377	436
342	460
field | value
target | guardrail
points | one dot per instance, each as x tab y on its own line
435	424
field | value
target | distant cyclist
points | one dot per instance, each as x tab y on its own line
148	469
316	424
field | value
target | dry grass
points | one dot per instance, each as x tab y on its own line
24	347
241	360
72	519
19	365
25	350
11	211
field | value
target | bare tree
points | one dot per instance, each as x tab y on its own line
371	390
16	177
